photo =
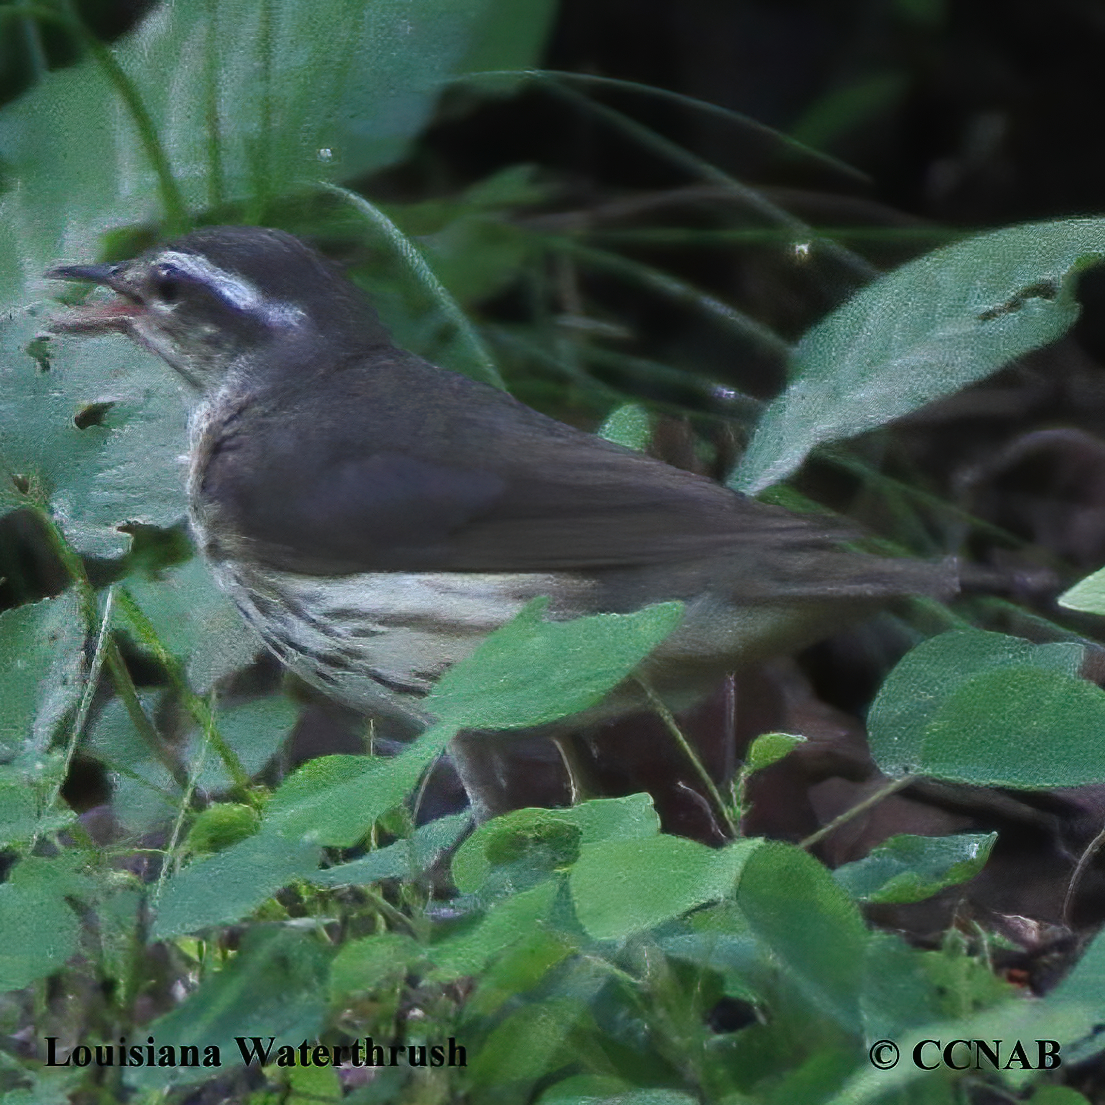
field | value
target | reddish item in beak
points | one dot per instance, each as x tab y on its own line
112	314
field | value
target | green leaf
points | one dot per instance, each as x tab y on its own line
922	683
143	792
225	887
221	826
372	963
629	425
509	36
405	859
518	969
1087	595
40	929
599	1089
335	799
529	844
614	818
900	988
504	925
531	671
624	886
262	100
1084	990
1013	1020
531	1042
770	748
275	986
40	671
123	466
255	732
1057	1095
196	622
536	842
120	919
1058	723
810	925
48	1087
18	813
927	329
911	868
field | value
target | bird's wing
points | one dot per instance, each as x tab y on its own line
392	464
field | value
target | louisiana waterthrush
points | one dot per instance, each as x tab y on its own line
375	517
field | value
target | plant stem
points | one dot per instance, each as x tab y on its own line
200	710
672	726
874	799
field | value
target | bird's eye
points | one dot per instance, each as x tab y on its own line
167	289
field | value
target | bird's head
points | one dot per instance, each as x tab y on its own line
218	295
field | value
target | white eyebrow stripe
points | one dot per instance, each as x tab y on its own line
234	289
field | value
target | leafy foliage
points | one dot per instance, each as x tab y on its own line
586	952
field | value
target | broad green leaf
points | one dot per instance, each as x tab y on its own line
195	621
225	887
1019	726
255	731
899	990
221	826
810	925
963	981
543	840
27	784
40	671
18	813
929	328
335	799
624	886
40	929
915	692
911	868
405	859
519	969
144	792
123	466
47	1087
1087	595
505	923
313	1086
614	818
528	843
528	1044
262	100
532	671
275	986
373	962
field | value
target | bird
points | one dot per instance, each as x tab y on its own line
374	516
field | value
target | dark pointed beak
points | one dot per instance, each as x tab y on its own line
115	314
92	274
